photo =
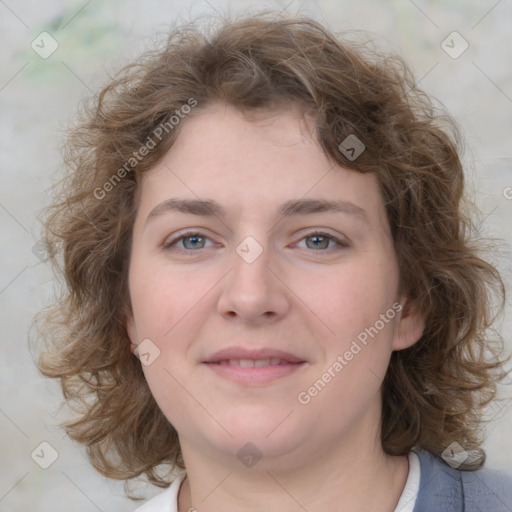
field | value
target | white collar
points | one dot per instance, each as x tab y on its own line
412	486
166	501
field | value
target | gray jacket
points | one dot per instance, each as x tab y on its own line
444	489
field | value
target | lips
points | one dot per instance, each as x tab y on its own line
237	356
254	367
249	363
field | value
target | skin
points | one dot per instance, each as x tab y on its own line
295	297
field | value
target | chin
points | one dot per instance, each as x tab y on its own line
266	430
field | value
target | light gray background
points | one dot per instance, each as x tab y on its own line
38	98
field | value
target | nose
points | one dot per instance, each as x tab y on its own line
254	291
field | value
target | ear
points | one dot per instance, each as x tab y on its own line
410	326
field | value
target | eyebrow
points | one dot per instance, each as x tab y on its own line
210	208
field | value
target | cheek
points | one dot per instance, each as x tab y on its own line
170	396
350	302
357	351
161	296
351	297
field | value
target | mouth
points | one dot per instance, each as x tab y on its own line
250	363
254	366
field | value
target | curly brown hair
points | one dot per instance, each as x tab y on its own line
433	393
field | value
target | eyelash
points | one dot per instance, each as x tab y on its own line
341	243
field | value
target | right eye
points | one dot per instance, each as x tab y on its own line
191	241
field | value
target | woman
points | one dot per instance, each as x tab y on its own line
271	284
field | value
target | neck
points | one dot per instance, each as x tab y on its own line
353	476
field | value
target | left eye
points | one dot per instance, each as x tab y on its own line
319	240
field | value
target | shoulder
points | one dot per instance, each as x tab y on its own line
451	490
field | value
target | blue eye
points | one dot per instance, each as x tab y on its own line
321	241
192	241
196	241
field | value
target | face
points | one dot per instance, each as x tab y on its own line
267	315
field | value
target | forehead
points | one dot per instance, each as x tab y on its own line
226	133
249	162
